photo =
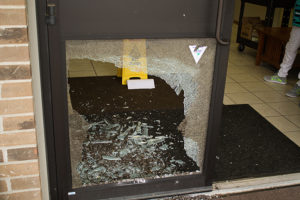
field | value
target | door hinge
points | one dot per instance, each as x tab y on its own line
50	14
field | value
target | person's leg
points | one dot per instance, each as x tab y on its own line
298	83
295	91
291	50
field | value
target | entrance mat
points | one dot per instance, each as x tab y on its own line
128	133
250	146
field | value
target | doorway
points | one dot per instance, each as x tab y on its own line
105	141
279	113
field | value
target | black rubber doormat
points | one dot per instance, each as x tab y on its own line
250	146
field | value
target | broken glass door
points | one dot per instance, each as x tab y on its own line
118	134
106	140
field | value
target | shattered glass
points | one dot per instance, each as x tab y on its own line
117	151
129	144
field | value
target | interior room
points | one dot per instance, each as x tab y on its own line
245	84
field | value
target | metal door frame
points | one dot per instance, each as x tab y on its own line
57	165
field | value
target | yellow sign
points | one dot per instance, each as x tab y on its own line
134	60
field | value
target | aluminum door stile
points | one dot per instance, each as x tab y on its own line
73	21
54	101
44	57
218	87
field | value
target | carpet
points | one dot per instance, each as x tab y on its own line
250	146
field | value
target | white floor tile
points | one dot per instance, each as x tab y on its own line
234	88
229	80
74	74
286	108
236	70
294	118
80	65
294	136
265	110
256	86
244	98
282	124
271	96
227	101
279	87
242	78
296	100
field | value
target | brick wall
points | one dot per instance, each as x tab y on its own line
19	171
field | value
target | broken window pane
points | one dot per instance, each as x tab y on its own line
118	134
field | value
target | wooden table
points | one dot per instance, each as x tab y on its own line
271	44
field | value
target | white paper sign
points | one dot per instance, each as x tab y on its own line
140	84
197	54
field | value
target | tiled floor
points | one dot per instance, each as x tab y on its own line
87	68
245	85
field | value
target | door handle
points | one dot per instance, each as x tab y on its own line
219	23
